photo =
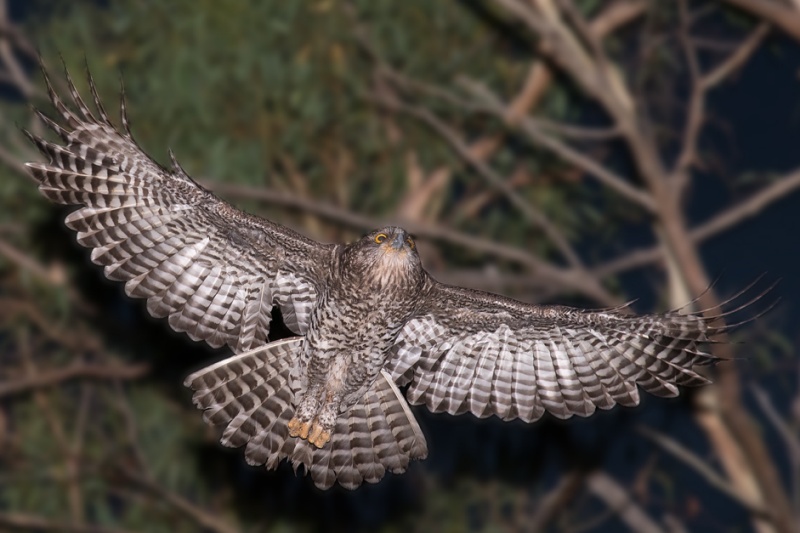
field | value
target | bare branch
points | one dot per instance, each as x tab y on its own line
721	222
568	280
567	153
610	18
48	378
584	30
52	276
777	13
554	502
756	203
15	70
429	89
696	108
495	180
13	162
630	261
571	131
701	84
72	488
557	42
131	428
714	479
738	58
789	436
12	33
608	490
533	88
615	16
200	516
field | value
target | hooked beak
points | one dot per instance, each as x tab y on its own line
399	241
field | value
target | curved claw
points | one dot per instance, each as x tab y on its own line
319	437
298	428
312	431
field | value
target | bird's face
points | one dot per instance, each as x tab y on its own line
392	243
387	255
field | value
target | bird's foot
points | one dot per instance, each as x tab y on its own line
299	428
312	431
318	436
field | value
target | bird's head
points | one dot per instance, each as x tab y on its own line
386	255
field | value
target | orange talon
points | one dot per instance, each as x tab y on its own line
318	437
298	428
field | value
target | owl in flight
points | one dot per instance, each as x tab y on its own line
368	318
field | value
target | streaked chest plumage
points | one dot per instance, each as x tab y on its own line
355	322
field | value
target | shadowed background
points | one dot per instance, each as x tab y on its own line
569	151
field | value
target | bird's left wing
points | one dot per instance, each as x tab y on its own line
471	351
215	271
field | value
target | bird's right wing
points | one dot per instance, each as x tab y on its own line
213	270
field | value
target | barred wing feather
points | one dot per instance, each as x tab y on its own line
470	351
213	270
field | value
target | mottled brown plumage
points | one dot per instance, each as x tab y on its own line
367	315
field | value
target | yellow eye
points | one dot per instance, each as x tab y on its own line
410	242
380	237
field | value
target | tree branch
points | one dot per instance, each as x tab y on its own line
748	208
720	223
52	276
572	131
495	180
702	83
606	489
714	479
779	14
570	155
202	517
568	280
615	16
44	379
15	70
554	501
787	434
737	58
696	108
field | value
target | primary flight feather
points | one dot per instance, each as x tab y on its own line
368	317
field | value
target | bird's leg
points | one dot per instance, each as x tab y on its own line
325	421
312	423
300	424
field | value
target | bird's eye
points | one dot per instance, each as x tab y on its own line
410	242
380	237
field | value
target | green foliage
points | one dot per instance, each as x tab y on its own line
102	430
238	88
252	92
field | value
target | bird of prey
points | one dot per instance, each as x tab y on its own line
368	317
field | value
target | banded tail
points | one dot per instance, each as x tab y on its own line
253	393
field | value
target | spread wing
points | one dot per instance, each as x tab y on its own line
471	351
213	270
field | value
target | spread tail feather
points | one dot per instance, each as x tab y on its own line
252	394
